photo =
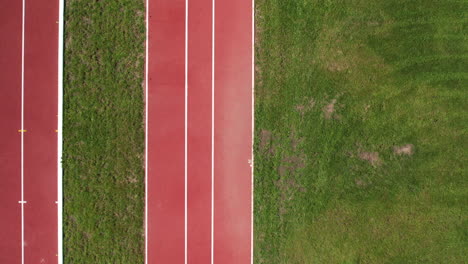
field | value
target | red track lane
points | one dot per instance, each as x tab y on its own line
199	131
10	138
166	132
40	138
233	132
40	122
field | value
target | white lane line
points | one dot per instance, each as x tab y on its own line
22	129
212	122
146	131
186	129
253	134
59	135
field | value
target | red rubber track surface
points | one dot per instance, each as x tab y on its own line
233	132
199	131
166	131
10	138
40	138
169	235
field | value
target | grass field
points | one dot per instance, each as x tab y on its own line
361	131
104	132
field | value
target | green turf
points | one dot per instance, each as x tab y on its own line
104	132
339	85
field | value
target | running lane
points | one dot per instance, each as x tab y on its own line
28	138
40	138
10	138
199	132
233	132
166	132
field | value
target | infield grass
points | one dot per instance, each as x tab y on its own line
104	132
361	131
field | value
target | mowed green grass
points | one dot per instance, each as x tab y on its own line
104	132
361	131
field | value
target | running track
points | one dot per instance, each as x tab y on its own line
30	197
199	85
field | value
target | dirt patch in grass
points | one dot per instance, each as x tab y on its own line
132	179
87	235
291	164
306	107
371	157
266	142
140	13
288	170
295	141
337	66
407	149
300	109
288	188
87	20
360	182
329	110
265	139
294	162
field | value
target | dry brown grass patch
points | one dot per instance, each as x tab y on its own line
266	142
329	109
372	157
407	149
304	108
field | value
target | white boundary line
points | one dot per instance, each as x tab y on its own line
146	131
186	130
253	134
22	129
60	135
212	122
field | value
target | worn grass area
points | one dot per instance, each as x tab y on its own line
104	131
361	131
